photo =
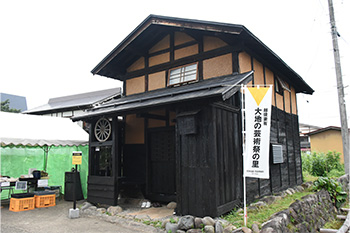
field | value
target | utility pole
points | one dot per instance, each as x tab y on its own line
340	87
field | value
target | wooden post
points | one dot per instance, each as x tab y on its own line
340	87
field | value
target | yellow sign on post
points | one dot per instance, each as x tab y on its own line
77	157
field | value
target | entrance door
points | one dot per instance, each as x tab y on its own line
162	177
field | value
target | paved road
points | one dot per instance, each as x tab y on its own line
55	220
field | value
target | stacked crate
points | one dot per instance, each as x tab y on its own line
44	199
21	202
29	201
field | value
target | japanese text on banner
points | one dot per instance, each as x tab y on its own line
257	124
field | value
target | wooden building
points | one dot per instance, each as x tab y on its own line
180	138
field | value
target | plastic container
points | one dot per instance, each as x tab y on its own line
41	193
45	200
21	204
56	189
22	195
37	174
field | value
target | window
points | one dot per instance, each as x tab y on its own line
280	85
183	74
277	154
101	161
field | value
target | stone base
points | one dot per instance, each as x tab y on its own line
73	213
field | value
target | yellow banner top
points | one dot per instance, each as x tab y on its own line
258	93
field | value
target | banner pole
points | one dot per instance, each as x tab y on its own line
245	201
243	154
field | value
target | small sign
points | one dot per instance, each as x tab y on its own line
77	157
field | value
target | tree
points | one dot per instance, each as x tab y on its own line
5	107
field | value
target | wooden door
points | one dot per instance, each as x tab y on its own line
162	162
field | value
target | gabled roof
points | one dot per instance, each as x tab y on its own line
325	129
220	87
304	129
155	27
79	101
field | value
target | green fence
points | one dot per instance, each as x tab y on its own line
17	160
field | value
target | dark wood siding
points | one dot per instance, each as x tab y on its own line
162	162
227	134
290	151
284	131
282	139
213	149
296	145
104	189
209	159
195	162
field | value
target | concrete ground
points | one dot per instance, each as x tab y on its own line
55	220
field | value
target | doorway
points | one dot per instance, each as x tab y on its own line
162	164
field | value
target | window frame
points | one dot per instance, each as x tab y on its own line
182	76
278	86
102	160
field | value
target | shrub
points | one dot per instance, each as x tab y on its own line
308	177
333	161
335	173
318	166
323	165
334	189
306	160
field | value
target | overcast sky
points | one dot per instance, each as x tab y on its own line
48	48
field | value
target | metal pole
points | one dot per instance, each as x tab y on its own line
340	87
74	187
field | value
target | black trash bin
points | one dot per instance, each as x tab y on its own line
69	184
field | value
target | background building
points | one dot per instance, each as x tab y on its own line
16	101
75	105
327	139
304	130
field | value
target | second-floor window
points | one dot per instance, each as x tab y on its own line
183	74
280	85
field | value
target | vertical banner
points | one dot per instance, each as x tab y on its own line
257	129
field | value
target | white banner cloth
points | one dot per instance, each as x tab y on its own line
257	125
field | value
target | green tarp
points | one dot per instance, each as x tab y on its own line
17	160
